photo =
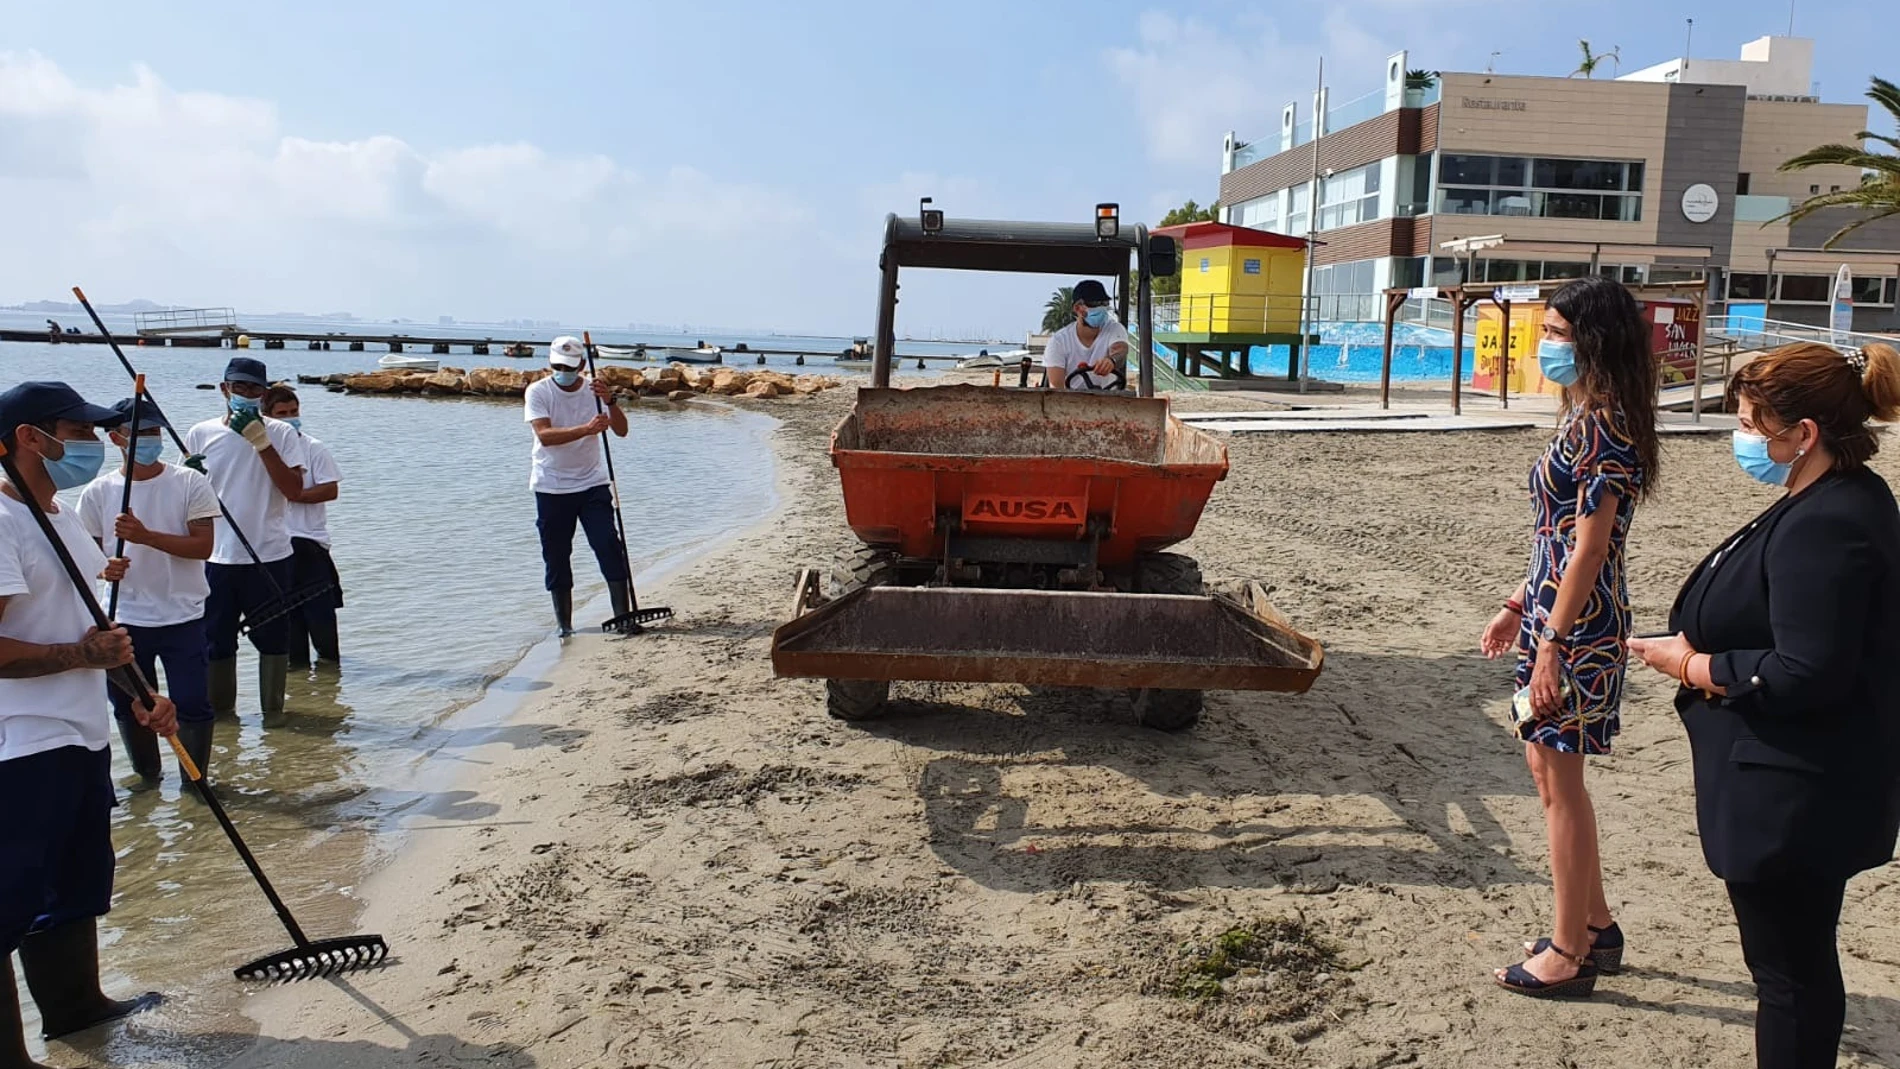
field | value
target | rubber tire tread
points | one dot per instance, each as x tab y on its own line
1168	710
859	699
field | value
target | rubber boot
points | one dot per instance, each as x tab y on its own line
141	748
12	1023
223	687
273	672
323	637
563	611
621	594
62	972
196	738
297	641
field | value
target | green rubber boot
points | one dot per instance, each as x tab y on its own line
12	1025
223	687
62	971
196	738
273	671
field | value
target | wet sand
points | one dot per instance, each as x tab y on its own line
678	860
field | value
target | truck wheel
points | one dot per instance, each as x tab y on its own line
859	699
1167	710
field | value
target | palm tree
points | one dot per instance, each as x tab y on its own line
1878	195
1591	61
1060	311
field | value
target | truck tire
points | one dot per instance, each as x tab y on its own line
859	699
1167	710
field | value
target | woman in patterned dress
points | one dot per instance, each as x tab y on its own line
1570	620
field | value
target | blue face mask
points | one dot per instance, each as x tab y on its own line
1096	317
294	421
1751	452
78	465
1558	361
242	405
564	377
148	449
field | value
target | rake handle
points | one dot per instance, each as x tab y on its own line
125	500
613	482
229	520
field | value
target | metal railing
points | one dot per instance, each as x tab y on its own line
1755	332
187	321
1231	313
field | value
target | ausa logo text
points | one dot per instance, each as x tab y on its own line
994	509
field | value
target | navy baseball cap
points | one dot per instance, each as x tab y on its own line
149	415
1089	291
43	402
245	369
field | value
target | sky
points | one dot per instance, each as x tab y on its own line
710	162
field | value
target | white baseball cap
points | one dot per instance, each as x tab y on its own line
567	351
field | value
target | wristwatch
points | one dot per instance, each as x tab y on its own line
1549	634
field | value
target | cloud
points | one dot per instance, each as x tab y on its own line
140	189
1189	81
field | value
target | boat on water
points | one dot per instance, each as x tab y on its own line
621	352
986	359
405	362
705	354
520	350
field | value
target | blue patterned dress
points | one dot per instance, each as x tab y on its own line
1591	453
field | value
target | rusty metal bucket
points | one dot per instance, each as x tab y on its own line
1224	641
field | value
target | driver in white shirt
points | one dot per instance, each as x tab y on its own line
1090	353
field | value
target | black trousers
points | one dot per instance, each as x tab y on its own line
555	517
1788	940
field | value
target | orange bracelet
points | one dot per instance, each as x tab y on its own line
1682	670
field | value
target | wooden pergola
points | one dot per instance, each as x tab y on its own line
1503	294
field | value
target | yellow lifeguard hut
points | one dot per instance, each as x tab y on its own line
1240	288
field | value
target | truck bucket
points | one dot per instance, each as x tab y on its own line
1048	638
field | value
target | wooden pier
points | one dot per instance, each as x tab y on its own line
395	343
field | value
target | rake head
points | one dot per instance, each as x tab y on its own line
630	623
324	957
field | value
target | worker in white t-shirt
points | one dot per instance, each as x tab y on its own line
569	476
56	795
1090	353
319	589
256	465
168	534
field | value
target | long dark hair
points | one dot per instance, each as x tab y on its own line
1616	371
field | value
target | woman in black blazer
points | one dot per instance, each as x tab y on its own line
1788	655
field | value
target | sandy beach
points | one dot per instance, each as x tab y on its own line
689	864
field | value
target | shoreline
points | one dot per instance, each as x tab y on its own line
689	864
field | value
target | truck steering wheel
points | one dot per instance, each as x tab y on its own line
1119	382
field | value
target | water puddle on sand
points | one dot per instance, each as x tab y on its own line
444	636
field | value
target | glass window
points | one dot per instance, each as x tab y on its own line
1466	170
1868	290
1817	289
1741	184
1464	201
1408	271
1511	170
1747	287
1635	274
1560	269
1893	285
1578	174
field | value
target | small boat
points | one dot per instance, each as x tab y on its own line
987	359
621	352
405	362
705	354
520	350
